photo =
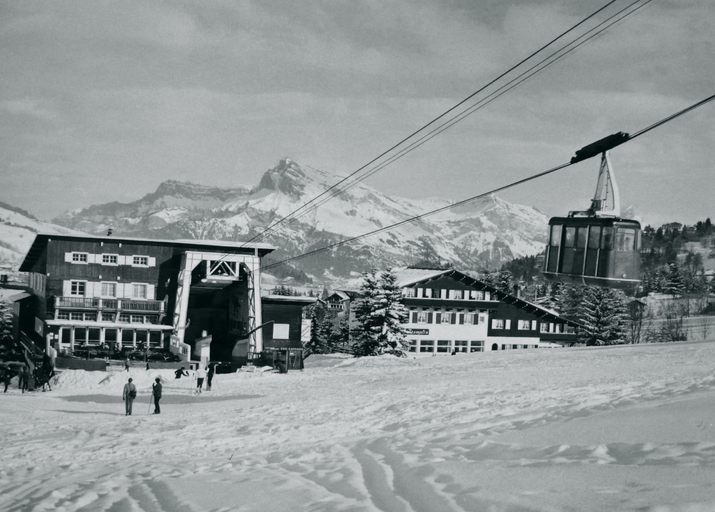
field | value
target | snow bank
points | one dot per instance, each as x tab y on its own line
628	428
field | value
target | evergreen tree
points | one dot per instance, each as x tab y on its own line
379	316
7	335
568	301
317	344
602	316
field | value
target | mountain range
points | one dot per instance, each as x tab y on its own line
479	235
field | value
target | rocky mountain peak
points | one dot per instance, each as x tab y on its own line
287	177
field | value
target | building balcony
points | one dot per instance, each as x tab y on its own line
96	303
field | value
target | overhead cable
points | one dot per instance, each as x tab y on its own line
483	194
440	116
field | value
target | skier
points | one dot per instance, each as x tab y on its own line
156	392
200	376
130	393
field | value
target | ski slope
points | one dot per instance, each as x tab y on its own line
624	428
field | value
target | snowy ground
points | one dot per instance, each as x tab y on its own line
628	428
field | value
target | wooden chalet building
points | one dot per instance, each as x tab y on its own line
452	312
156	294
448	311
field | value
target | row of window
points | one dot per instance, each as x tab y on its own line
443	317
521	325
109	289
435	293
91	336
597	237
108	259
91	316
445	346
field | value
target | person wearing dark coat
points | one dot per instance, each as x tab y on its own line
129	394
23	378
210	376
181	371
6	378
156	393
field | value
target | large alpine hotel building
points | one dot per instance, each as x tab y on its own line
452	312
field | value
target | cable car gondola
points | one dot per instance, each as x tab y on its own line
596	246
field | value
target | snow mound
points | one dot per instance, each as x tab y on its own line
376	362
79	381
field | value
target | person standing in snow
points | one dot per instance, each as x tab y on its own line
210	376
200	376
156	393
23	378
130	393
6	378
126	364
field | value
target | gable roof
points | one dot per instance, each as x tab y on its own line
41	239
412	276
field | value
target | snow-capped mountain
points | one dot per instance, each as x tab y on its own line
17	231
476	236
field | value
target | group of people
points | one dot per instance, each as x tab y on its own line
30	376
202	373
130	390
130	394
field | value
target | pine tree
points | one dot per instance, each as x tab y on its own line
379	316
602	316
7	333
316	344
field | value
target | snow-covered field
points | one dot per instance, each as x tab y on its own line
627	428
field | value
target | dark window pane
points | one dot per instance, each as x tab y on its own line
555	235
594	237
581	237
570	238
607	241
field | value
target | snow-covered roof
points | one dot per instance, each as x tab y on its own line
12	295
408	276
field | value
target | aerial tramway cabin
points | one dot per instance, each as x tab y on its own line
148	294
596	246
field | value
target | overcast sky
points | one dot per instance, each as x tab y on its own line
102	101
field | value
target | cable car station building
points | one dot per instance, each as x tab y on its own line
156	294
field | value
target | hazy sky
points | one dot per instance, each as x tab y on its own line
102	101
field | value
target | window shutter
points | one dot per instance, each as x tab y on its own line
150	291
68	257
533	325
487	296
507	324
152	261
94	289
453	318
414	317
66	287
461	319
443	293
122	260
438	318
92	258
429	318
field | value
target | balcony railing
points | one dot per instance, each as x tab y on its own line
76	302
152	306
